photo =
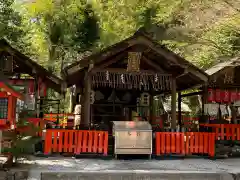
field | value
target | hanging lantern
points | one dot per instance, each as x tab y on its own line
218	95
210	95
145	99
233	96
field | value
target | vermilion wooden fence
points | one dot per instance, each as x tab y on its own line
65	119
76	141
225	131
185	143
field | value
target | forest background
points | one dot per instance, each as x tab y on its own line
56	33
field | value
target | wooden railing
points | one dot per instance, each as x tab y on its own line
168	143
76	141
224	131
65	119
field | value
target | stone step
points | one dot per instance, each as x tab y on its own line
135	175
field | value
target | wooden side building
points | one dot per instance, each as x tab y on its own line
15	65
224	88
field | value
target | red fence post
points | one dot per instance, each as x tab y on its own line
185	143
48	142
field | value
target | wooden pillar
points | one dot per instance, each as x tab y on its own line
173	104
36	94
204	96
152	117
87	94
10	110
180	109
71	107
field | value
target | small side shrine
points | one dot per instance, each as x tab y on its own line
26	76
11	102
119	83
222	103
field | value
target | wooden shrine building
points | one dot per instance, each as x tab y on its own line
224	88
119	82
25	75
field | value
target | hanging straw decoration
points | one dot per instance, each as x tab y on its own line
134	80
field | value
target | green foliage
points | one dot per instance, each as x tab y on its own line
57	33
10	25
201	31
23	137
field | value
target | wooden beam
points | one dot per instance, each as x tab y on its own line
198	74
171	57
102	56
184	73
113	60
151	45
192	94
204	96
153	64
173	104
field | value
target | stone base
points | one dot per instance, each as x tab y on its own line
128	175
9	175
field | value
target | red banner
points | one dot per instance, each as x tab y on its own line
211	95
238	96
225	94
218	96
233	96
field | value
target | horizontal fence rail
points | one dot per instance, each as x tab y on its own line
168	143
224	131
76	141
65	119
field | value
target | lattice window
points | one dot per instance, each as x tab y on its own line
3	108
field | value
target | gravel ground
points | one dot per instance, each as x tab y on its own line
36	166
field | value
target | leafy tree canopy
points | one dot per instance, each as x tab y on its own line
61	31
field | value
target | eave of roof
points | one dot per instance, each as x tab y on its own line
10	90
221	66
43	73
138	38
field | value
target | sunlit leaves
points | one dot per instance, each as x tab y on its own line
201	31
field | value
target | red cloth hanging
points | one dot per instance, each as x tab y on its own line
31	87
238	96
39	87
44	90
225	96
218	96
211	95
233	96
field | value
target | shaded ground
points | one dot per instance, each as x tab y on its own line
36	166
